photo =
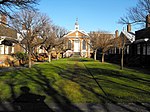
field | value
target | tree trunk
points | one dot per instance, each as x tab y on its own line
62	55
122	56
95	54
30	61
49	57
103	57
57	56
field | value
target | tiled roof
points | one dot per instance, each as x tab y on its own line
8	32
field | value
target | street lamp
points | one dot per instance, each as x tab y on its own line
146	39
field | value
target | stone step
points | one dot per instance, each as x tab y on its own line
76	54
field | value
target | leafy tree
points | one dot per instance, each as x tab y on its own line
22	57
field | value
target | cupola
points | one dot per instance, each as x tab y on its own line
76	25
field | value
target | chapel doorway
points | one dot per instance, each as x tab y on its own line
76	46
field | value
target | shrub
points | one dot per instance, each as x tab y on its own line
22	57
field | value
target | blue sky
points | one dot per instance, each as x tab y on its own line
92	14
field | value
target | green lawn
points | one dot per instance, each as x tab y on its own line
78	81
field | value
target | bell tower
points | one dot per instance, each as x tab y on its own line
76	24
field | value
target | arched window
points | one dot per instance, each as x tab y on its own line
84	45
69	44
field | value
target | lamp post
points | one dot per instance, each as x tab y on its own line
146	39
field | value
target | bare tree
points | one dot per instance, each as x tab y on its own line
33	29
8	6
137	14
54	40
120	43
60	32
94	39
101	40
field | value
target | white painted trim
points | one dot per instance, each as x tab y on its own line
5	37
2	50
81	31
78	36
12	50
129	36
6	49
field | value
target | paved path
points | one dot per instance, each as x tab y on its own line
107	107
9	69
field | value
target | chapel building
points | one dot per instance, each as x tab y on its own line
78	41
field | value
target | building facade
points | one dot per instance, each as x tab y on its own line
142	44
137	47
78	41
7	37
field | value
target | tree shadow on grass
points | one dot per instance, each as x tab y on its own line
104	98
117	74
62	102
123	77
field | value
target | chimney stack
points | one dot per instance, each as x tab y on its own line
116	33
129	27
148	21
3	19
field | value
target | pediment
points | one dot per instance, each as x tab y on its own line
77	33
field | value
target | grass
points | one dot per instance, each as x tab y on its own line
77	81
